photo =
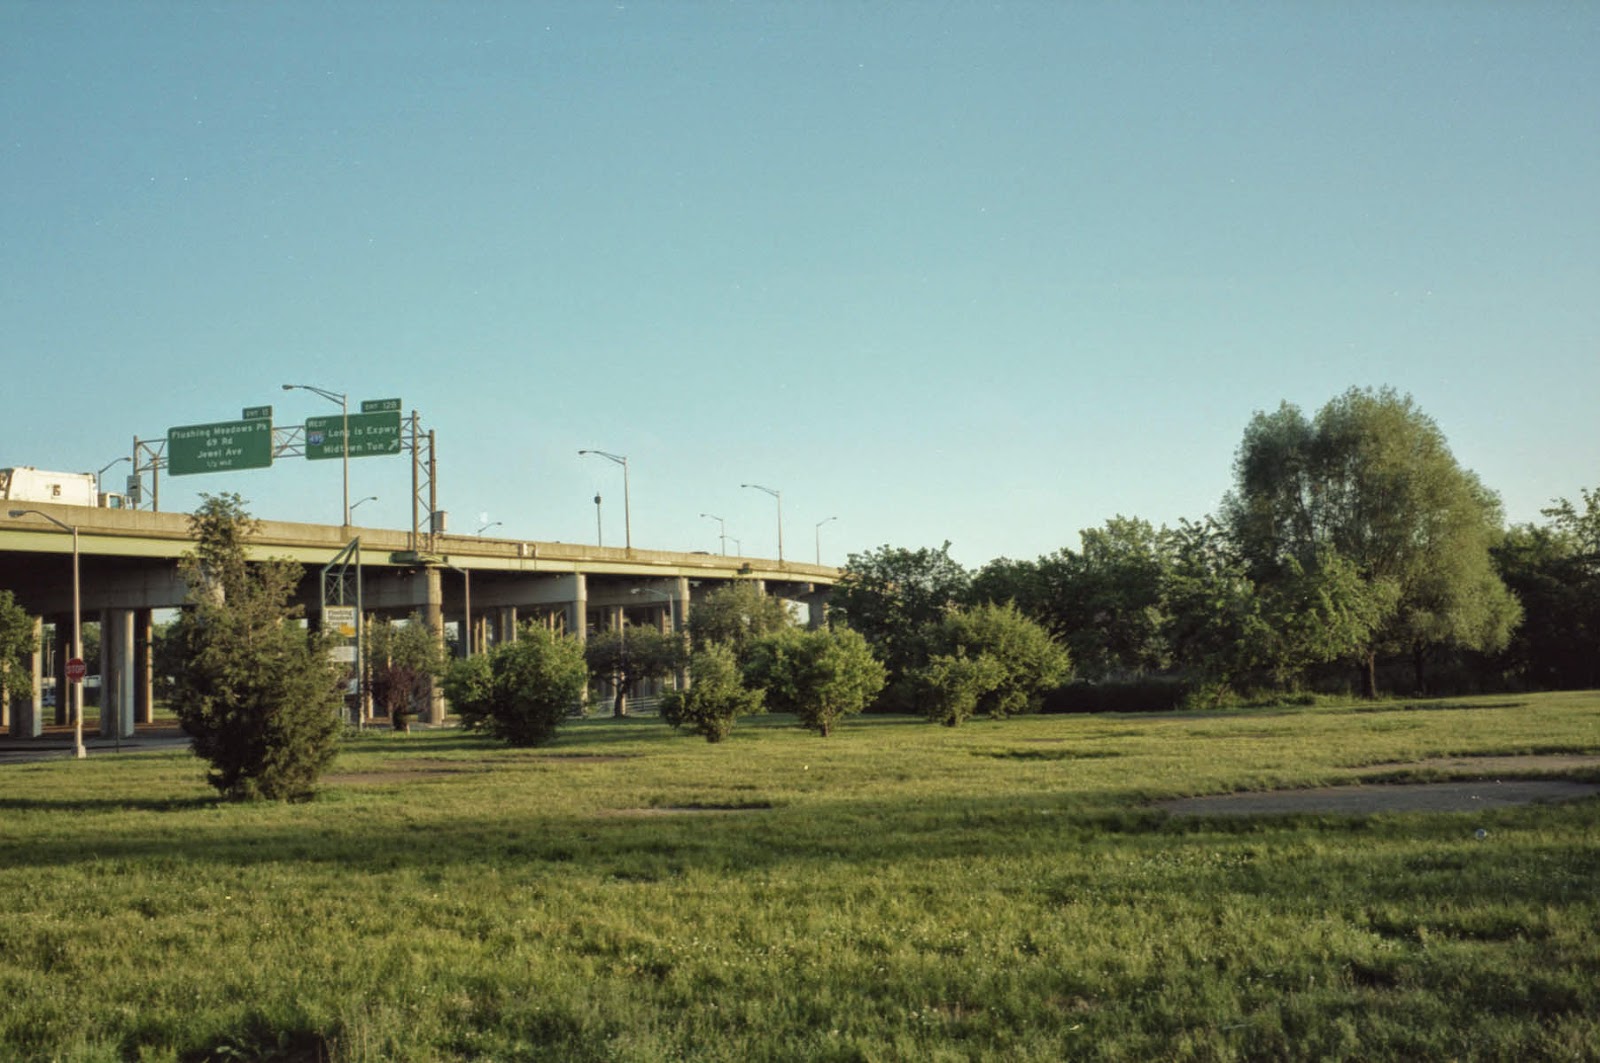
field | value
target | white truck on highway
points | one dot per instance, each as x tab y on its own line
27	484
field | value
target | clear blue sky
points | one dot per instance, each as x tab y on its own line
990	273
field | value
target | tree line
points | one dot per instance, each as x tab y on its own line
1352	552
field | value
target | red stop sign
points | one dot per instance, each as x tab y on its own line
76	670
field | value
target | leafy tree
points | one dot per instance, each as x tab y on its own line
821	676
990	659
892	595
1372	480
255	690
1213	607
468	685
403	661
1233	631
1554	570
17	642
1103	601
165	659
736	615
716	696
1008	580
520	691
634	656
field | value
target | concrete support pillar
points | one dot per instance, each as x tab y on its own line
480	633
433	613
63	654
817	605
680	623
680	604
144	702
506	625
578	606
26	708
116	673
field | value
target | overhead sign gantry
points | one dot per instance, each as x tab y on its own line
254	442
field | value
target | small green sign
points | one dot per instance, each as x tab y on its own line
258	413
219	447
370	434
380	405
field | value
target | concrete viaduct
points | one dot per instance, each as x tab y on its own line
128	561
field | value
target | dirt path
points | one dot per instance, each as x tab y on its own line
1363	798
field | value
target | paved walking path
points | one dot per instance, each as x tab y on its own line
57	743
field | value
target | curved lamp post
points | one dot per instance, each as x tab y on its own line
820	523
627	518
344	423
77	630
98	486
722	530
356	504
779	496
491	524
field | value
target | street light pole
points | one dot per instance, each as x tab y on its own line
77	631
491	524
627	516
779	496
820	523
98	486
722	531
344	422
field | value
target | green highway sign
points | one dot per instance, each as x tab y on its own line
370	434
380	405
258	413
219	447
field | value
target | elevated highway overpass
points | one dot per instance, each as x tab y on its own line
483	587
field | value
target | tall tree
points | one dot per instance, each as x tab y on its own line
1371	479
17	641
891	594
255	690
1554	570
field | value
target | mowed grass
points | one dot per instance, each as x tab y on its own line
899	891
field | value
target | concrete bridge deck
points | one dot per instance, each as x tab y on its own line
481	587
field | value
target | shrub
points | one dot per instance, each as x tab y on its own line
956	684
990	659
821	676
521	691
716	695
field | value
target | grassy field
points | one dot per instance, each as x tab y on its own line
899	891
